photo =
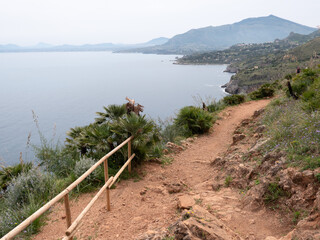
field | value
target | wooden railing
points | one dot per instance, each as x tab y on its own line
71	227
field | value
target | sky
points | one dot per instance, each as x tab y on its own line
28	22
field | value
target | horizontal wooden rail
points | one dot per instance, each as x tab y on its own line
87	208
121	170
66	191
90	170
34	216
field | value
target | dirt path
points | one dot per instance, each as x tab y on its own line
139	206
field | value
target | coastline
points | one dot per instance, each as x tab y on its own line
229	69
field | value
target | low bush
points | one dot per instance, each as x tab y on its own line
97	176
274	192
296	131
24	196
171	132
56	158
146	135
266	90
7	174
233	99
33	184
216	106
311	96
303	80
194	119
12	216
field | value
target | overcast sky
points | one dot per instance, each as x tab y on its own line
27	22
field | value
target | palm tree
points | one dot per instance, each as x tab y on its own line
145	132
78	139
112	112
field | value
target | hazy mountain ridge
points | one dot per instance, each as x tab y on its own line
247	52
251	30
45	47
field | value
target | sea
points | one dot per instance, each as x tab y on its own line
52	92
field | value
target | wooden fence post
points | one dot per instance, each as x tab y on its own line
68	211
129	155
106	177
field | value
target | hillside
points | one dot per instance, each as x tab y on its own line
243	52
242	180
258	70
150	203
251	30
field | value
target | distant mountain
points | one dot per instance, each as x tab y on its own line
41	45
251	30
247	52
45	47
9	47
157	41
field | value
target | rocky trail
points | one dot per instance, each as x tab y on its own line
145	208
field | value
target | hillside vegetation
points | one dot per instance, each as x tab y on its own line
248	52
257	64
267	68
251	30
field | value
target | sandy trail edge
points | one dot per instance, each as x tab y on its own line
139	206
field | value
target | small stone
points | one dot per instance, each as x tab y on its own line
216	186
258	113
260	129
238	137
174	188
143	192
258	135
252	221
245	122
185	202
218	162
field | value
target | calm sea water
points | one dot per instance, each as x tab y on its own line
66	89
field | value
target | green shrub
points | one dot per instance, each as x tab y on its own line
83	165
32	184
266	90
311	162
296	216
173	133
196	120
292	129
93	140
234	99
317	177
56	158
274	192
146	135
288	77
12	216
9	173
311	96
112	113
216	106
228	181
302	81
